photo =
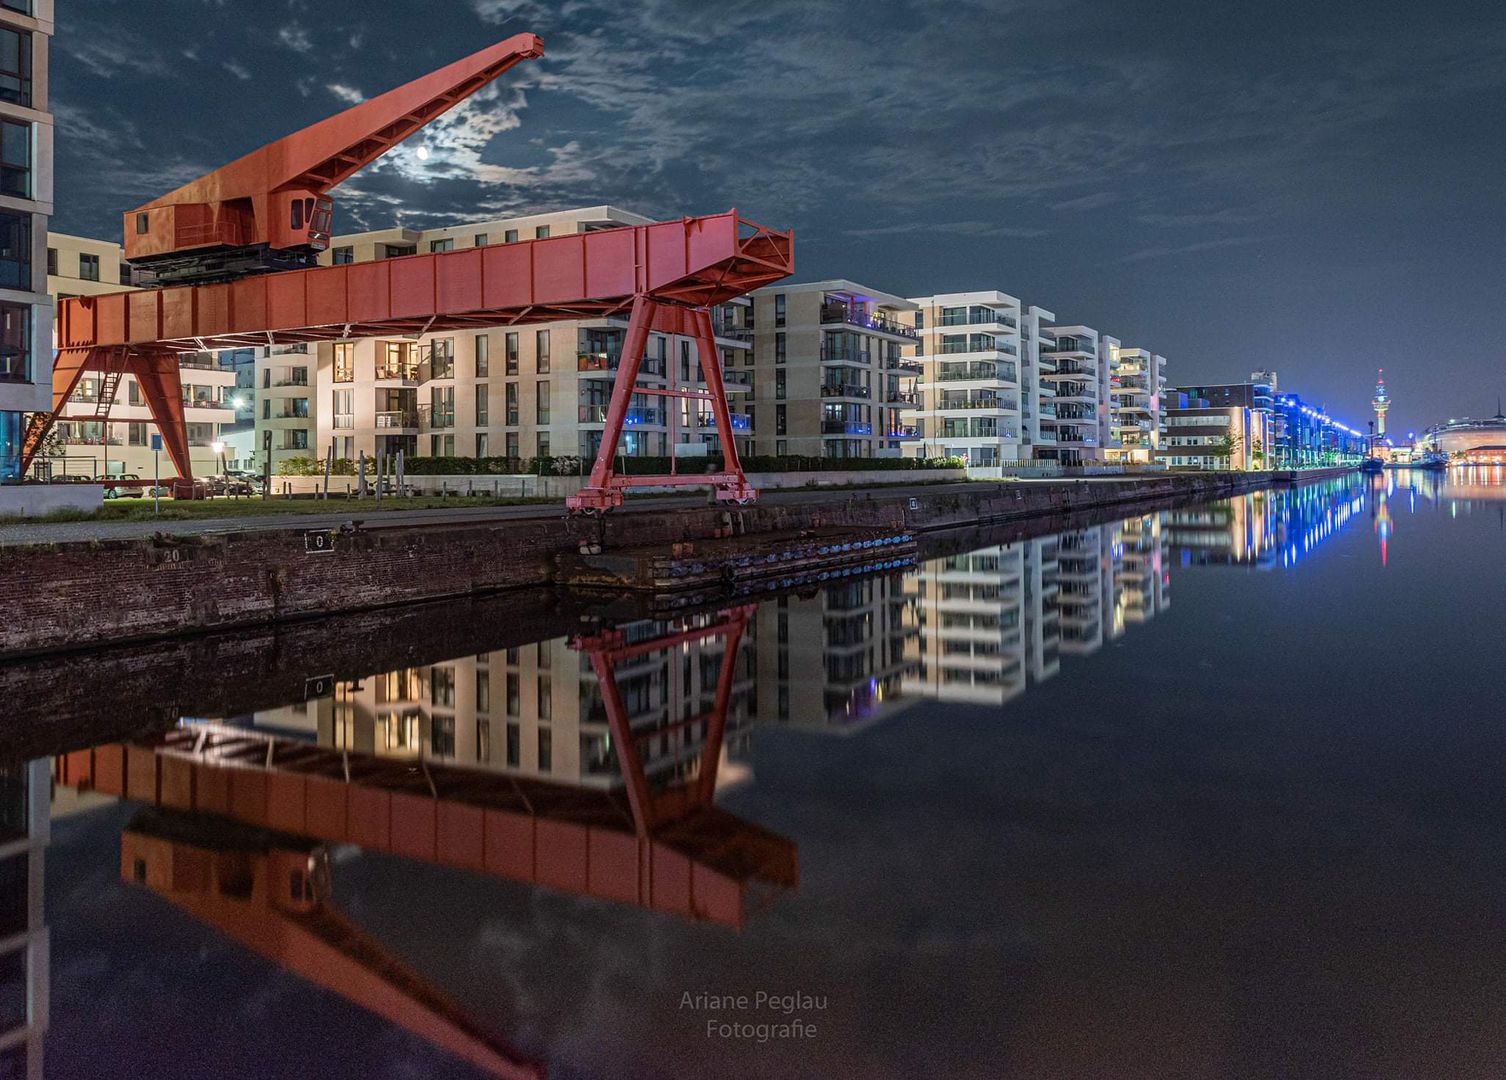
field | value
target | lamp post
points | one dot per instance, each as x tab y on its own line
218	446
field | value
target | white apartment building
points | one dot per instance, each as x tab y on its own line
969	397
284	383
524	391
1075	363
829	365
26	181
101	434
1137	395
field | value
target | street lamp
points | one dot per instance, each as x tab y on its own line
218	446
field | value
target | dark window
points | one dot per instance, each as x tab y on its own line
541	402
447	244
541	233
23	6
510	236
779	309
343	256
88	267
512	353
15	66
297	215
483	356
514	744
483	740
442	736
481	239
546	750
15	159
143	223
15	250
541	351
52	260
443	359
15	343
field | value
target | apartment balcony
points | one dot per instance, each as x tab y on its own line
901	397
400	375
980	318
1132	425
1046	436
397	421
1072	370
990	403
635	417
846	356
974	373
855	316
738	421
907	368
845	390
1064	438
1073	393
969	349
740	334
904	431
290	414
1069	347
846	427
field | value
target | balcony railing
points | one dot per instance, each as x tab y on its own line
635	417
906	366
851	390
845	427
977	403
949	348
739	421
432	419
852	316
904	431
846	356
960	372
409	373
733	333
978	318
900	397
1069	345
397	419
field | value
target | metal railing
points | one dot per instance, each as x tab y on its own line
977	403
846	427
984	317
851	390
845	313
959	372
397	419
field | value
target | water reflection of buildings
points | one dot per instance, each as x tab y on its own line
994	621
24	981
834	661
1266	529
538	710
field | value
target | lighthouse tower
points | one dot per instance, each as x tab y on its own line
1382	403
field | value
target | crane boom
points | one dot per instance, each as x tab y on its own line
270	209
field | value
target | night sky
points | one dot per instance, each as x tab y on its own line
1315	188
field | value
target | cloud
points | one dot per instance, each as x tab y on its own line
1209	217
238	70
295	37
1187	249
1088	202
348	94
957	228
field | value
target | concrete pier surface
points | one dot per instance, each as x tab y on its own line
89	584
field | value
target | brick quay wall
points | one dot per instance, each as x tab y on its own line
91	594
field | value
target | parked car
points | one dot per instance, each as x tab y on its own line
121	492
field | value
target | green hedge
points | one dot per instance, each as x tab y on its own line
632	466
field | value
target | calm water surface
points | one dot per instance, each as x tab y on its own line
1206	792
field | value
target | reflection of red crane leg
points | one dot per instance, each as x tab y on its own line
639	797
607	650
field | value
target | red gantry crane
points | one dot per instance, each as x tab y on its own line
234	254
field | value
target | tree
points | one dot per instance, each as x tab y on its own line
1257	453
1226	447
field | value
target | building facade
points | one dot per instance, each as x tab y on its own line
1137	389
830	371
1204	436
101	433
533	390
26	182
968	399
